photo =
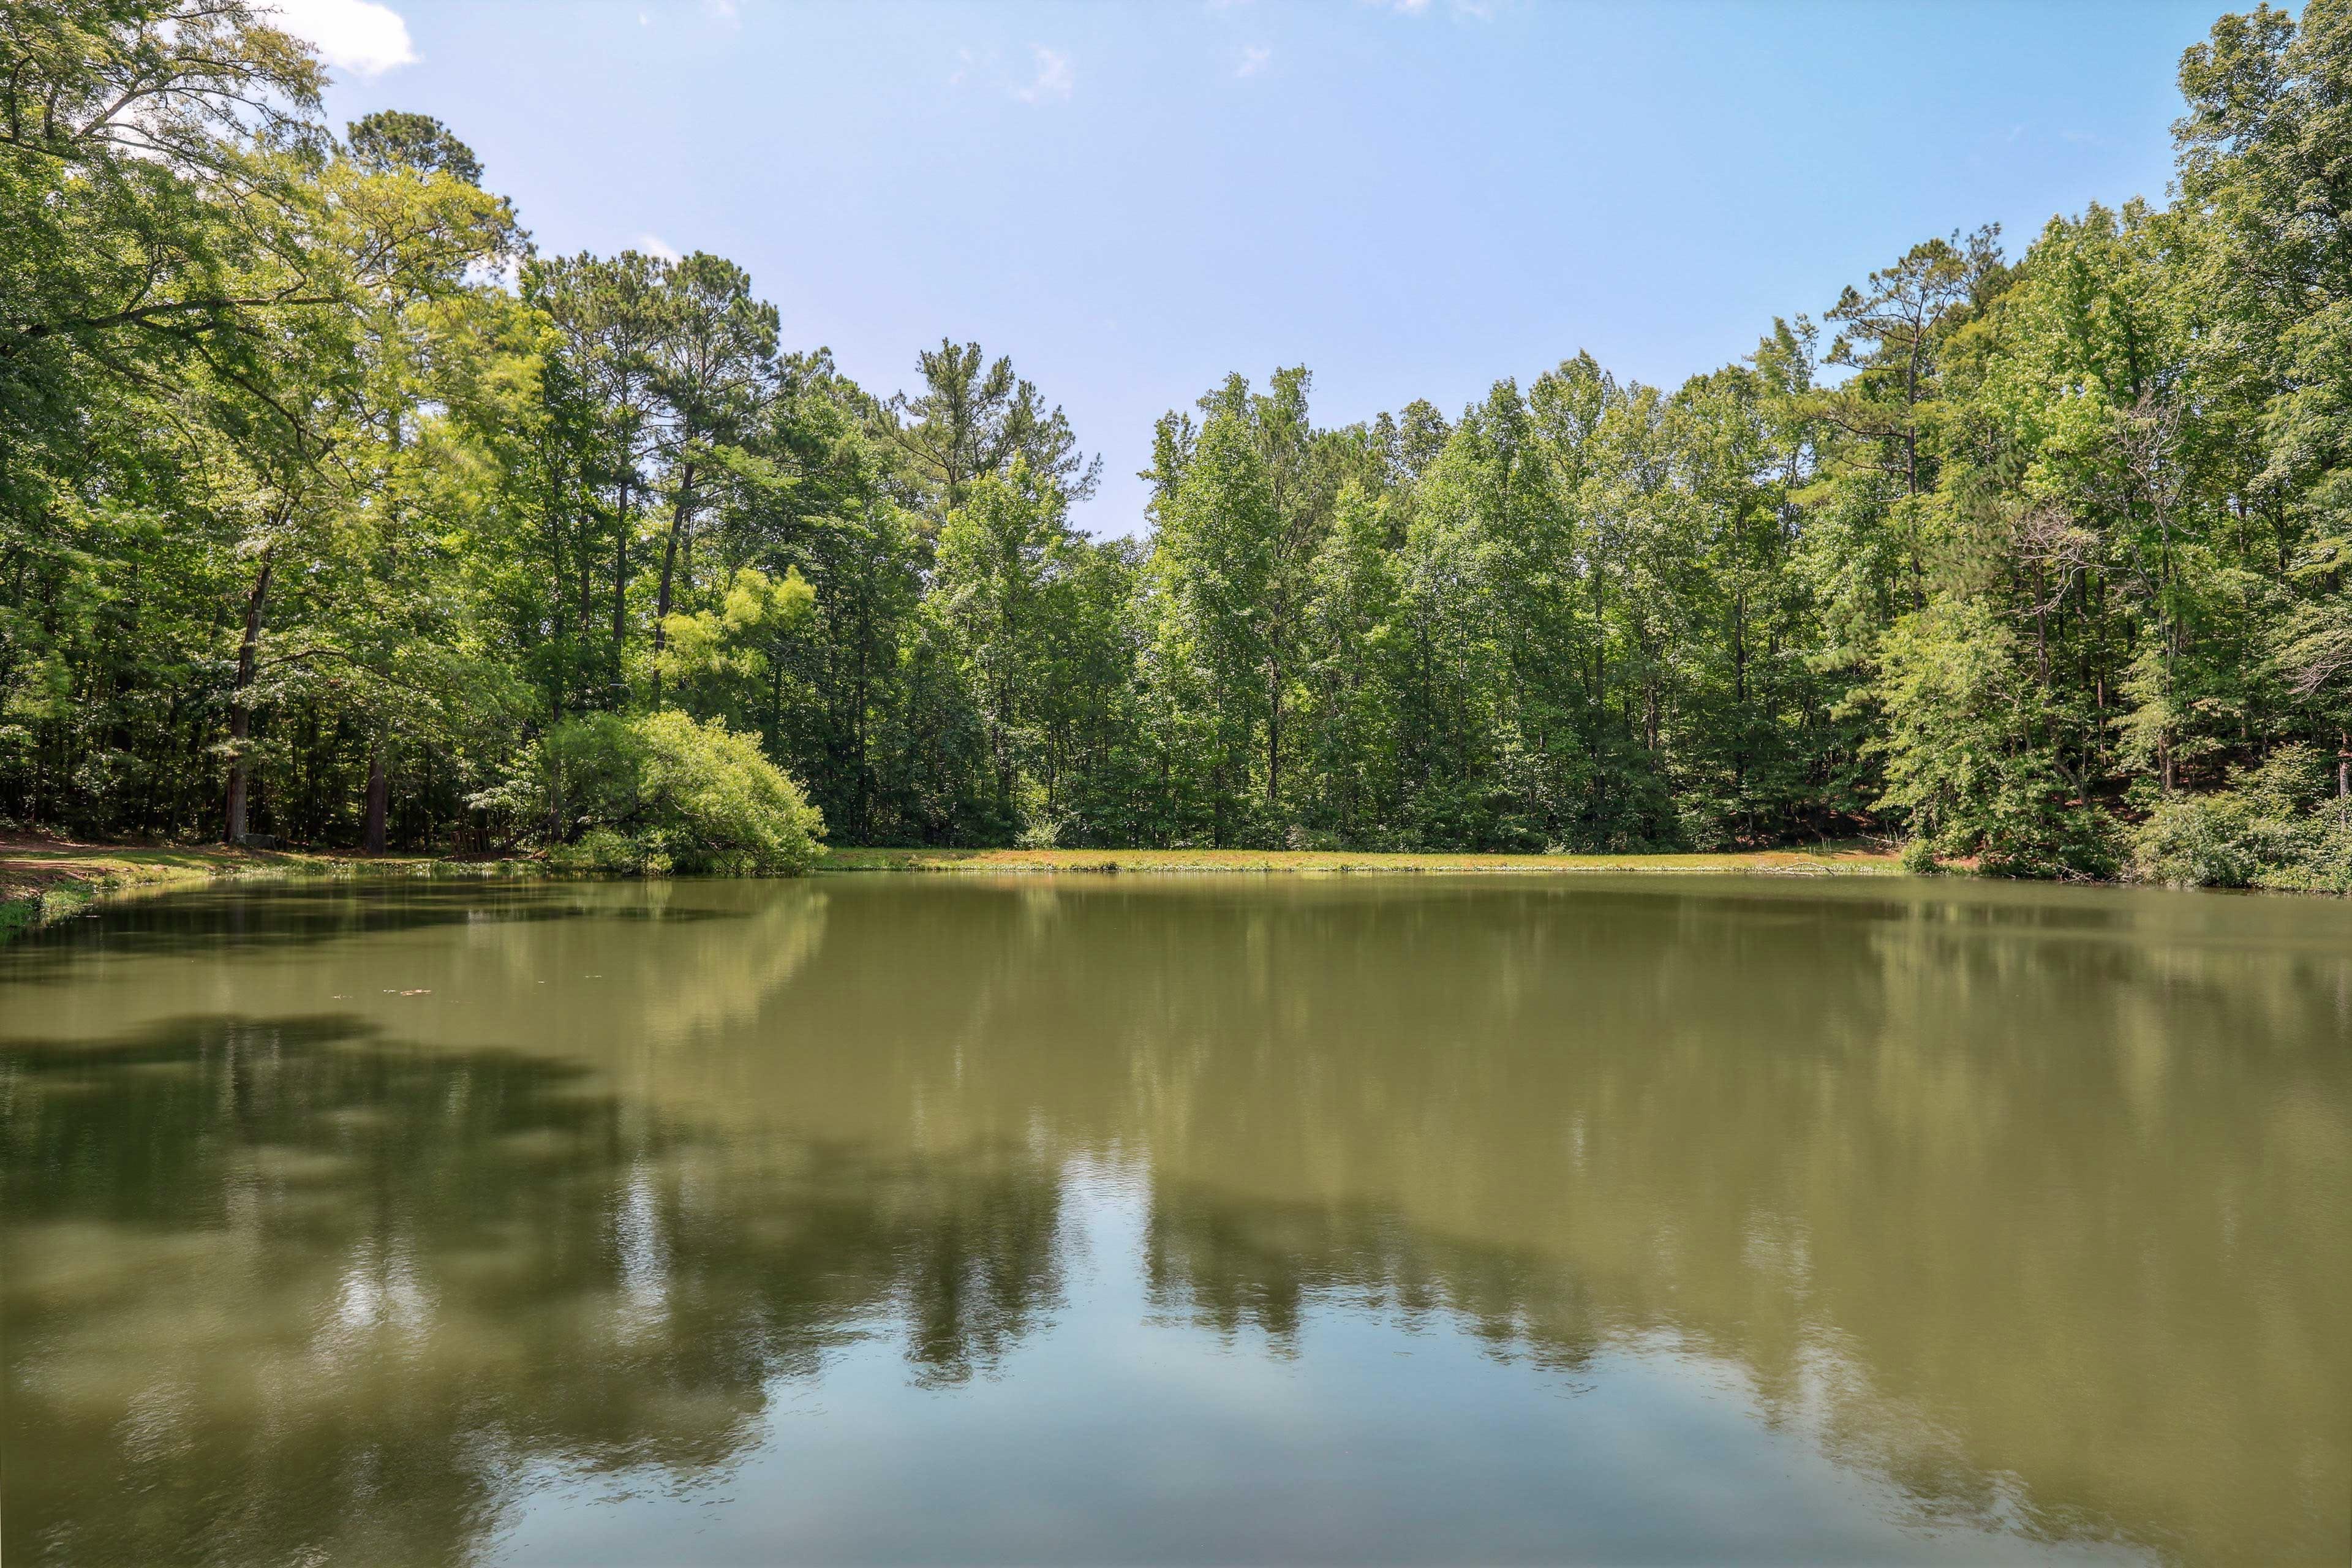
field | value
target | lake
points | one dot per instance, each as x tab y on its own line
906	1218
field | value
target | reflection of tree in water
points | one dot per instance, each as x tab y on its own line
1226	1263
213	920
283	1289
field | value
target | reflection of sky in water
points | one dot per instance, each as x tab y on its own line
1119	1433
645	1275
380	1293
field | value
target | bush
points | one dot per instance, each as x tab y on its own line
1041	828
602	852
2321	862
663	792
716	802
2274	826
1919	857
2198	842
2030	833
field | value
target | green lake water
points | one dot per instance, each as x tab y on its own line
1179	1220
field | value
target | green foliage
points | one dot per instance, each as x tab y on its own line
330	511
607	852
663	792
712	802
2278	825
1967	762
391	138
1919	857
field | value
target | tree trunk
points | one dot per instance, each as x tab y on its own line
240	710
556	827
857	722
678	519
379	798
621	592
1274	732
587	553
1001	741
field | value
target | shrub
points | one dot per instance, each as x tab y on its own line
713	801
2030	834
602	852
2198	842
2274	826
1042	826
663	792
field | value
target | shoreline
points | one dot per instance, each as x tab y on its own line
45	880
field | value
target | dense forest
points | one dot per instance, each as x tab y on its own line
332	510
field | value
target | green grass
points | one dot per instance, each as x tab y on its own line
1845	859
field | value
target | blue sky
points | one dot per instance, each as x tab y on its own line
1412	200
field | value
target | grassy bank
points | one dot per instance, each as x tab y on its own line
46	879
1830	860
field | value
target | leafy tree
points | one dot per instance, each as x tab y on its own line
975	418
713	366
392	138
1002	556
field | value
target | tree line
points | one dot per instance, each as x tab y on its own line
332	510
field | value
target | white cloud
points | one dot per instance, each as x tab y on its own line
1477	10
967	62
722	12
1055	78
357	36
1256	58
656	246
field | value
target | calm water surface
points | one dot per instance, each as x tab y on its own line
877	1218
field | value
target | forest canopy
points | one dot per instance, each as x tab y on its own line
332	510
